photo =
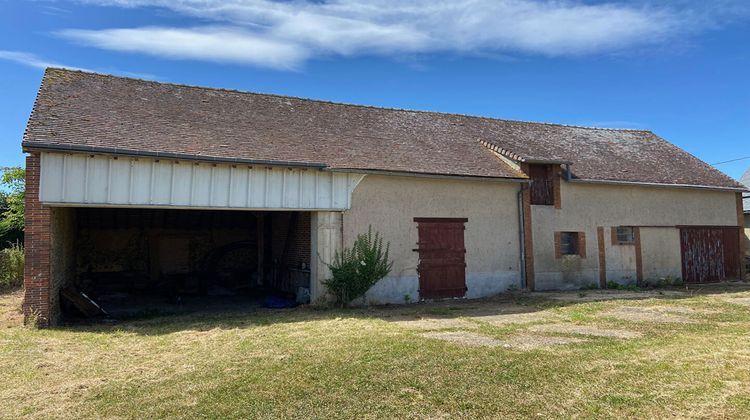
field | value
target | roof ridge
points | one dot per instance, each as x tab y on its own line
299	98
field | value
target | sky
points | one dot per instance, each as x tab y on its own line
679	68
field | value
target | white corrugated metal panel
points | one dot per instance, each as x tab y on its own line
78	179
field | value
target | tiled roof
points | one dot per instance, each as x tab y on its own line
606	154
79	110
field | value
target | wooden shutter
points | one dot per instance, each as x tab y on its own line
541	185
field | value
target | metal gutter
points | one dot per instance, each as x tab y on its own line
165	155
427	175
181	207
656	184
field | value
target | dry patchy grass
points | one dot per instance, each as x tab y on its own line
10	308
571	358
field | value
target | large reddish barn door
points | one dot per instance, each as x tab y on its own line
442	264
709	254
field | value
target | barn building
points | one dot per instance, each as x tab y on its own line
138	189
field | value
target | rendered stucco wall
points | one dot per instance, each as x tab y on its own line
587	206
662	257
620	260
390	205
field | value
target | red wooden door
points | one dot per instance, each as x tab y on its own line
709	254
442	264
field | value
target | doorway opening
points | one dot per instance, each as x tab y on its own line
135	261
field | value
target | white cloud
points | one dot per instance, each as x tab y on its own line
206	43
286	34
31	60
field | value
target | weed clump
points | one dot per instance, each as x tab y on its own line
11	267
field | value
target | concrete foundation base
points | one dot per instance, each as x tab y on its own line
405	289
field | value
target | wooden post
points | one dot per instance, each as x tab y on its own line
741	224
260	233
638	255
528	233
602	257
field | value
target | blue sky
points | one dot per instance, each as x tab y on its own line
678	68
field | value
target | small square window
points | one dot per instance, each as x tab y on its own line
569	243
625	235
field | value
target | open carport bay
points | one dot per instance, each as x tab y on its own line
134	261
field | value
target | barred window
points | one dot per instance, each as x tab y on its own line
569	243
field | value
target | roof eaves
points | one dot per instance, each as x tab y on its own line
165	155
427	174
657	184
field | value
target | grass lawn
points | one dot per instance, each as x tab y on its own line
584	354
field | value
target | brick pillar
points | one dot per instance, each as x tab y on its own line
38	241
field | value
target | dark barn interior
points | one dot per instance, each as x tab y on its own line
131	261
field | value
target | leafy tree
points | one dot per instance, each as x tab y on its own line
12	198
354	271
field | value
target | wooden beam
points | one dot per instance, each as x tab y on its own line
638	255
602	257
556	175
741	224
260	234
528	232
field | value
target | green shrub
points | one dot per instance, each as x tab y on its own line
11	267
354	271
